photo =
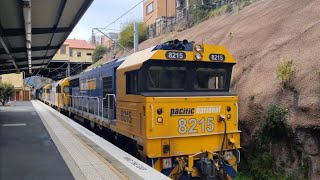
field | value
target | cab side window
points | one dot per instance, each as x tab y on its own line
132	82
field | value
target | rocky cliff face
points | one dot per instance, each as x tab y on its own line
261	36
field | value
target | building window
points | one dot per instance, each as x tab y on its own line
150	8
63	49
89	54
70	52
78	54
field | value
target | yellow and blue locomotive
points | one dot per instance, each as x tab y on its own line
171	103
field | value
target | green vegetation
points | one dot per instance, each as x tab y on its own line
204	9
274	125
126	34
6	90
258	161
218	11
199	10
231	7
286	72
98	53
305	166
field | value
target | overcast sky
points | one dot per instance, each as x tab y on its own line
103	12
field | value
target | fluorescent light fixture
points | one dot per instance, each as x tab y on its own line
28	37
28	45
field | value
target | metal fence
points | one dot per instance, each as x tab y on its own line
167	24
181	20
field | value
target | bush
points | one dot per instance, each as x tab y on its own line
126	34
257	160
199	10
6	91
218	11
286	72
274	125
98	53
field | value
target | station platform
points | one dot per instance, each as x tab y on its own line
37	142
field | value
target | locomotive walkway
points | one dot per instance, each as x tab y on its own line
37	142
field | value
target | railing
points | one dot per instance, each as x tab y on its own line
152	117
107	96
83	102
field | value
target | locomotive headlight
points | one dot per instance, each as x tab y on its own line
228	156
198	56
160	120
198	48
229	116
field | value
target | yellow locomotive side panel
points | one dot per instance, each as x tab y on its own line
62	97
57	94
46	93
130	119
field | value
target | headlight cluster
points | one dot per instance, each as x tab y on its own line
199	50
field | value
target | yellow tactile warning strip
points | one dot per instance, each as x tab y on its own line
91	164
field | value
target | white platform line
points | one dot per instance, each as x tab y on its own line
14	125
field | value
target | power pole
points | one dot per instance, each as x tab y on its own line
166	13
136	37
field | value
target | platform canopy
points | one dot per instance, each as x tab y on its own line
31	32
58	69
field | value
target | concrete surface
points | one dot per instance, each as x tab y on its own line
26	149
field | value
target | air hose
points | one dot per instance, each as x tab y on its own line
233	144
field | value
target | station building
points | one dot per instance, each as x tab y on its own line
22	92
75	50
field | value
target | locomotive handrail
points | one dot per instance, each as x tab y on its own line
97	98
114	100
237	113
152	118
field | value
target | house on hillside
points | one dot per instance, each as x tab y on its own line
22	92
162	15
109	42
75	50
159	14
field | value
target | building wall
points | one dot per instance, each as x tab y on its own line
161	9
15	79
74	58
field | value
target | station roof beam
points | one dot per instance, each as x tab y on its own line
31	32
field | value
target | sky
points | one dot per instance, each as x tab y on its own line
103	12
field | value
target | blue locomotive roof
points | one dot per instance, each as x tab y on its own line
111	64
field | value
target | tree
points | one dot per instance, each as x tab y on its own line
199	10
126	34
6	91
98	53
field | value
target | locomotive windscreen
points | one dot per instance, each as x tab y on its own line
186	76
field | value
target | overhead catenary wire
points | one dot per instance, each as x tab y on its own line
122	15
99	29
111	39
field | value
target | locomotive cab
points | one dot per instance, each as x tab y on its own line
174	100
